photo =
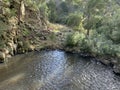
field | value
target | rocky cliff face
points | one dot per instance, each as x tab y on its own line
16	35
8	40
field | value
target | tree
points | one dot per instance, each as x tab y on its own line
52	11
93	9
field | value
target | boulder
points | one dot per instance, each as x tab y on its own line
106	62
11	51
31	48
15	48
116	69
6	51
2	56
20	44
114	61
10	44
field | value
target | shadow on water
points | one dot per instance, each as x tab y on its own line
56	70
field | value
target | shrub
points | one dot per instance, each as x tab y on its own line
52	36
52	13
74	20
85	45
74	39
102	46
96	44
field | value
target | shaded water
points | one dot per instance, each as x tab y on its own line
56	70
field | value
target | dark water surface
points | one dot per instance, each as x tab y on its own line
56	70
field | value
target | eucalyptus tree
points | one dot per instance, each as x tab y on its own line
94	11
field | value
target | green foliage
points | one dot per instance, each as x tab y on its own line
3	27
52	15
100	45
52	36
104	38
73	39
74	19
34	4
111	27
25	32
64	8
93	23
6	2
85	45
97	44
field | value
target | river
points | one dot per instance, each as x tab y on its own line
56	70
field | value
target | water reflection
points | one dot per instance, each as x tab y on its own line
56	70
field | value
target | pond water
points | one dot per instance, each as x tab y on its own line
56	70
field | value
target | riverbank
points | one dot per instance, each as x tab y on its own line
106	60
26	38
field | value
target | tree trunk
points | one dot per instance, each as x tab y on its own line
88	29
88	32
21	12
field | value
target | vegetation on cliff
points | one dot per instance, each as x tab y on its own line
19	19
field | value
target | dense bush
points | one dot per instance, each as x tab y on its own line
96	18
73	39
74	20
85	45
96	44
52	13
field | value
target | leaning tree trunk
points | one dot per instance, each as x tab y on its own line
88	32
88	29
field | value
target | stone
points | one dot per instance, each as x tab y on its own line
31	48
20	44
116	69
11	51
6	51
106	62
10	44
114	61
43	38
15	48
8	56
2	56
